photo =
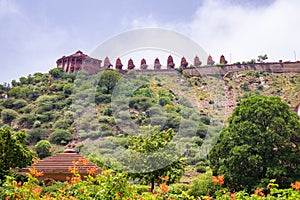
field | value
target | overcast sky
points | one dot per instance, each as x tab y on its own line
35	33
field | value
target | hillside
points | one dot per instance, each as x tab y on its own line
87	110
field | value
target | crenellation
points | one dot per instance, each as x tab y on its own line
80	61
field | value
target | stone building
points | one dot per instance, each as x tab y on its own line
79	61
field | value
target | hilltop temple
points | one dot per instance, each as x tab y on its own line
79	61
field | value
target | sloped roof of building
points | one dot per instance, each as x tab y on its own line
57	167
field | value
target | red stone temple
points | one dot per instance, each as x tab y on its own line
79	61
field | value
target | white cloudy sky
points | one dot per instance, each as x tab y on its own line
34	33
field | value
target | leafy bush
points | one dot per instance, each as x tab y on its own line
245	86
60	137
43	148
202	186
140	103
8	115
20	103
205	120
26	120
37	134
61	124
164	101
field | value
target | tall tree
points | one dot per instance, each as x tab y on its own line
148	162
260	143
13	151
108	80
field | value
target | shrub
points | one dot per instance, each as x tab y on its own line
164	101
26	120
205	120
35	135
37	124
20	103
245	86
202	186
60	137
178	188
43	148
61	124
8	115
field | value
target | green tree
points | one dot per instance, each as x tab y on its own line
108	80
43	148
13	151
60	137
56	72
261	58
8	115
37	134
260	143
149	167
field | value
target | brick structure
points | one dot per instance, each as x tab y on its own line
57	167
79	61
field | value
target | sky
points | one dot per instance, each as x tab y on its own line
35	33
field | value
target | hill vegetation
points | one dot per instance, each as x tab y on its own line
113	119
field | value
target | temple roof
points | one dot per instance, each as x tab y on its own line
78	54
57	166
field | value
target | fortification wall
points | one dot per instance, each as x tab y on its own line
215	70
288	67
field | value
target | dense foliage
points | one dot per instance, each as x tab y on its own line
13	151
109	113
260	143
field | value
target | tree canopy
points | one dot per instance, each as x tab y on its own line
13	151
150	163
108	80
260	143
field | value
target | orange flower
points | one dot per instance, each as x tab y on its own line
164	188
92	170
166	178
215	180
7	197
17	196
221	179
35	160
259	192
73	169
17	184
85	162
75	163
296	186
37	191
34	172
232	196
75	179
48	196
